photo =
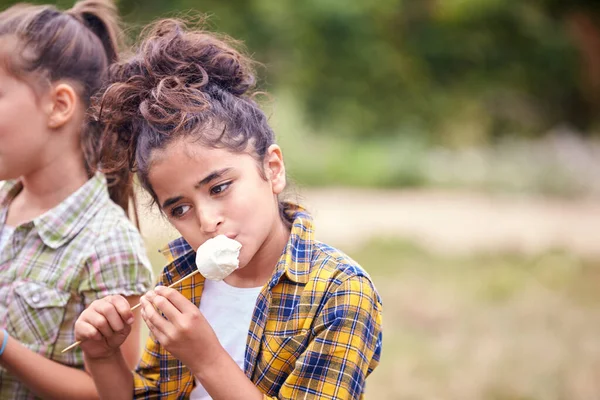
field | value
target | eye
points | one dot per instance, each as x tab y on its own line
220	188
179	211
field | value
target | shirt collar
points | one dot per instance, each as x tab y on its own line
294	262
61	223
181	260
8	191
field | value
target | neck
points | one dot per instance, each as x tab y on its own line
47	186
260	268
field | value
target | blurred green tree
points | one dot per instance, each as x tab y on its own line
582	21
453	71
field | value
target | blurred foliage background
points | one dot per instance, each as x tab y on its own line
375	93
388	68
469	131
395	84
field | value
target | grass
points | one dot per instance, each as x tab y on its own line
482	327
485	327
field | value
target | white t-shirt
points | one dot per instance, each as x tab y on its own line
5	233
228	310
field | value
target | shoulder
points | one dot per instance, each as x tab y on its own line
115	243
110	226
116	248
336	271
328	261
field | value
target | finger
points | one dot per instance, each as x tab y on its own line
99	322
152	317
84	326
158	335
177	299
118	338
86	331
123	308
166	307
107	309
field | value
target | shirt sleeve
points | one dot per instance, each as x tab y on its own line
147	376
118	265
345	348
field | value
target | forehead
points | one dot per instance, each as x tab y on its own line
15	86
185	162
11	54
6	61
13	72
192	153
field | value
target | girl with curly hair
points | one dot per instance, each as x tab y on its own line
298	318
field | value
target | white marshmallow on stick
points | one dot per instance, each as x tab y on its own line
218	257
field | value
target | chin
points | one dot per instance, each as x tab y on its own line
244	259
243	263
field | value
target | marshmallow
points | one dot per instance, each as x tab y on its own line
218	257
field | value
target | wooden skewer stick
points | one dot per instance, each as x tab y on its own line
77	343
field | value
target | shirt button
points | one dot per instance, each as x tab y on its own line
35	298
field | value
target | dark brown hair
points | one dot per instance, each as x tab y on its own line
42	45
180	83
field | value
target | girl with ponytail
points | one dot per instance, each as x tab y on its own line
298	319
65	239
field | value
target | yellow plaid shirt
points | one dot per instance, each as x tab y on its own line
315	331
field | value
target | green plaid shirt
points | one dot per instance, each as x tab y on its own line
53	267
315	332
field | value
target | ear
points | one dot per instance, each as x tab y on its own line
275	168
64	101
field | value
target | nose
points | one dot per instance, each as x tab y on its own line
210	219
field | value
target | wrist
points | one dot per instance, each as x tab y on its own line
209	361
105	358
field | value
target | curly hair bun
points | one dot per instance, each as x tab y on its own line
197	57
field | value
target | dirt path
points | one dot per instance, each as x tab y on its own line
453	222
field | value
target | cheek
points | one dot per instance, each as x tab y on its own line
10	138
21	133
8	128
189	233
19	148
21	109
249	212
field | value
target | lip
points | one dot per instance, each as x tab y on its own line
231	235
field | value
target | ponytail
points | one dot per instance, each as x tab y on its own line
100	16
78	45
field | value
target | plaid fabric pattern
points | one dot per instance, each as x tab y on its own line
315	332
53	267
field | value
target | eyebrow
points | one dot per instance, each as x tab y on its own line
212	176
209	178
171	201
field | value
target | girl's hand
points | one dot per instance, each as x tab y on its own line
104	326
183	331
